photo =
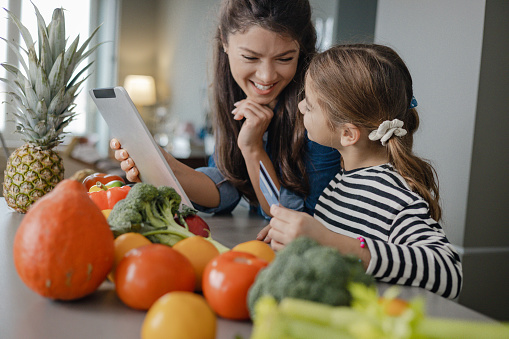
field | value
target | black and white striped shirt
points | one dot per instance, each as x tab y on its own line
407	246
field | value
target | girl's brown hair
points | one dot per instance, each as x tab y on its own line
366	85
286	131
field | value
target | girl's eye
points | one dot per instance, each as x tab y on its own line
286	59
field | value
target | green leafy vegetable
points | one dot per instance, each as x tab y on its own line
367	318
151	211
307	270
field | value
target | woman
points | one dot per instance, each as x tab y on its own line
262	48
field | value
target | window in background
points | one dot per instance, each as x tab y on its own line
77	17
3	85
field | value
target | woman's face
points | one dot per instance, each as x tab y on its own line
315	121
262	63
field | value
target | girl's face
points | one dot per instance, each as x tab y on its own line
262	63
315	120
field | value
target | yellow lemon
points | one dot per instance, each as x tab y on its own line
258	248
179	315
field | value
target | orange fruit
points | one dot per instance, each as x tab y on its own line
259	248
123	244
199	252
179	315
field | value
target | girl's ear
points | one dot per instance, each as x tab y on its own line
350	134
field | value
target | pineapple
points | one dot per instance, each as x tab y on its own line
43	99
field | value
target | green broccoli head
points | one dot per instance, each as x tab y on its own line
142	192
307	270
167	203
124	216
145	207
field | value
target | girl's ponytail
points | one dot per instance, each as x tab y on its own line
419	173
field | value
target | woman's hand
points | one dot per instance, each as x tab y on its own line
287	225
126	163
258	118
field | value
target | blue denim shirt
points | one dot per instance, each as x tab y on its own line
322	164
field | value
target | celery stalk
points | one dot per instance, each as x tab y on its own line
435	328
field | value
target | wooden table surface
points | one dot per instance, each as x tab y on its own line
25	315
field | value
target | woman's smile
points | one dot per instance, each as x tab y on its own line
262	63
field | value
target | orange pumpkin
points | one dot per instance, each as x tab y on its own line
63	248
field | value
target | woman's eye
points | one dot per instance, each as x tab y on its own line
286	59
249	57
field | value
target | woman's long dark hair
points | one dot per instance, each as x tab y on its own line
290	18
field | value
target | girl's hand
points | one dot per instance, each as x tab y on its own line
126	163
287	225
262	235
258	118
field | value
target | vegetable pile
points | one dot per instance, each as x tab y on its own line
307	270
370	316
151	211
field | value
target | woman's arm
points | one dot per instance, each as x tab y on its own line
198	186
250	141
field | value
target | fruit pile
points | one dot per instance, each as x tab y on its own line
175	283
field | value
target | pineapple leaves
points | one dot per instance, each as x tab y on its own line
42	86
15	47
43	95
56	33
57	75
45	54
22	29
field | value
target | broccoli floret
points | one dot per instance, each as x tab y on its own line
142	196
167	204
307	270
151	211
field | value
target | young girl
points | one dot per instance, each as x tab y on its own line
261	50
383	204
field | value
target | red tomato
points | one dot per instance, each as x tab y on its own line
104	178
226	281
148	272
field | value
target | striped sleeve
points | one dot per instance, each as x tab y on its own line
417	253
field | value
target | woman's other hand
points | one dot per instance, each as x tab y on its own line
126	164
258	118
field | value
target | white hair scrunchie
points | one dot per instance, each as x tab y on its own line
386	130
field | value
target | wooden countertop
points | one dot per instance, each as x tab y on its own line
24	314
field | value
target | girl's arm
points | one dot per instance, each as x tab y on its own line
417	253
287	225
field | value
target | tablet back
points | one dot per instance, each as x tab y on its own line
127	126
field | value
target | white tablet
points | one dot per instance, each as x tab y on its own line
129	129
